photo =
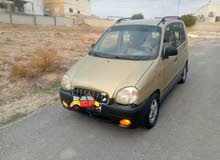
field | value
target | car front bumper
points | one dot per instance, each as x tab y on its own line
114	111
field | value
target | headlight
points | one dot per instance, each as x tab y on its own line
65	82
127	95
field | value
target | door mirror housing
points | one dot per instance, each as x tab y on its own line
170	52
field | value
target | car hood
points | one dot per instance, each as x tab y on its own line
106	75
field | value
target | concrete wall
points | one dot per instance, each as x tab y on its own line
36	20
60	21
4	18
22	19
2	10
44	21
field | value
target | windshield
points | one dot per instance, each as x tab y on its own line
129	42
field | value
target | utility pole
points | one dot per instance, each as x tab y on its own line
178	11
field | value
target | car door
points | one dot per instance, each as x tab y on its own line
181	44
170	66
91	101
84	102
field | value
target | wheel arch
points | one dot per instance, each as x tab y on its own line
187	68
156	92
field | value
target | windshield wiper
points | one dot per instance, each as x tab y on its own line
116	57
93	53
98	54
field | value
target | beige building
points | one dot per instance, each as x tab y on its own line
67	7
209	13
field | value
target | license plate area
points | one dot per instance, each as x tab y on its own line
86	102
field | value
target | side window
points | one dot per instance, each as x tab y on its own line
176	28
179	33
90	98
169	38
83	98
183	33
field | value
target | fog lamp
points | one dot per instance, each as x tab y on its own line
125	122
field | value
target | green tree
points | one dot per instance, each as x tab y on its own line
189	20
138	16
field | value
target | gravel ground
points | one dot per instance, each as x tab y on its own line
18	44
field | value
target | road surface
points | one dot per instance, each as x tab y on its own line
188	126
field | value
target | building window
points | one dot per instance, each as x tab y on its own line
211	14
70	10
78	12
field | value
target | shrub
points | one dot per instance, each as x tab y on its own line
18	71
189	20
45	60
138	16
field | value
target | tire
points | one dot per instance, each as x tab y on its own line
76	107
151	112
184	75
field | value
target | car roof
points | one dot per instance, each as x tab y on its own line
154	22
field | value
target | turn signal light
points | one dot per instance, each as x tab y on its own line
65	104
125	122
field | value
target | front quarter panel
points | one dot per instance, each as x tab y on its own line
150	82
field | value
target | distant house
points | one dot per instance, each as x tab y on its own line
15	6
67	7
35	7
22	6
209	13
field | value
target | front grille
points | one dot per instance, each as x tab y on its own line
100	97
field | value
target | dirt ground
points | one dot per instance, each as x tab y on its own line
21	97
18	44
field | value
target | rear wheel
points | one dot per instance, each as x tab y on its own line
152	111
184	74
76	107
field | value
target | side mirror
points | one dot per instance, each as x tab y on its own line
92	45
170	52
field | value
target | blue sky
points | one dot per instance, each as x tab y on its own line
150	8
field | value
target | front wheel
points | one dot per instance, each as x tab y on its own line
152	111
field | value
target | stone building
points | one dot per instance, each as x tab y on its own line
67	7
209	12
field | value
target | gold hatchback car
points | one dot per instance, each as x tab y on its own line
129	71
